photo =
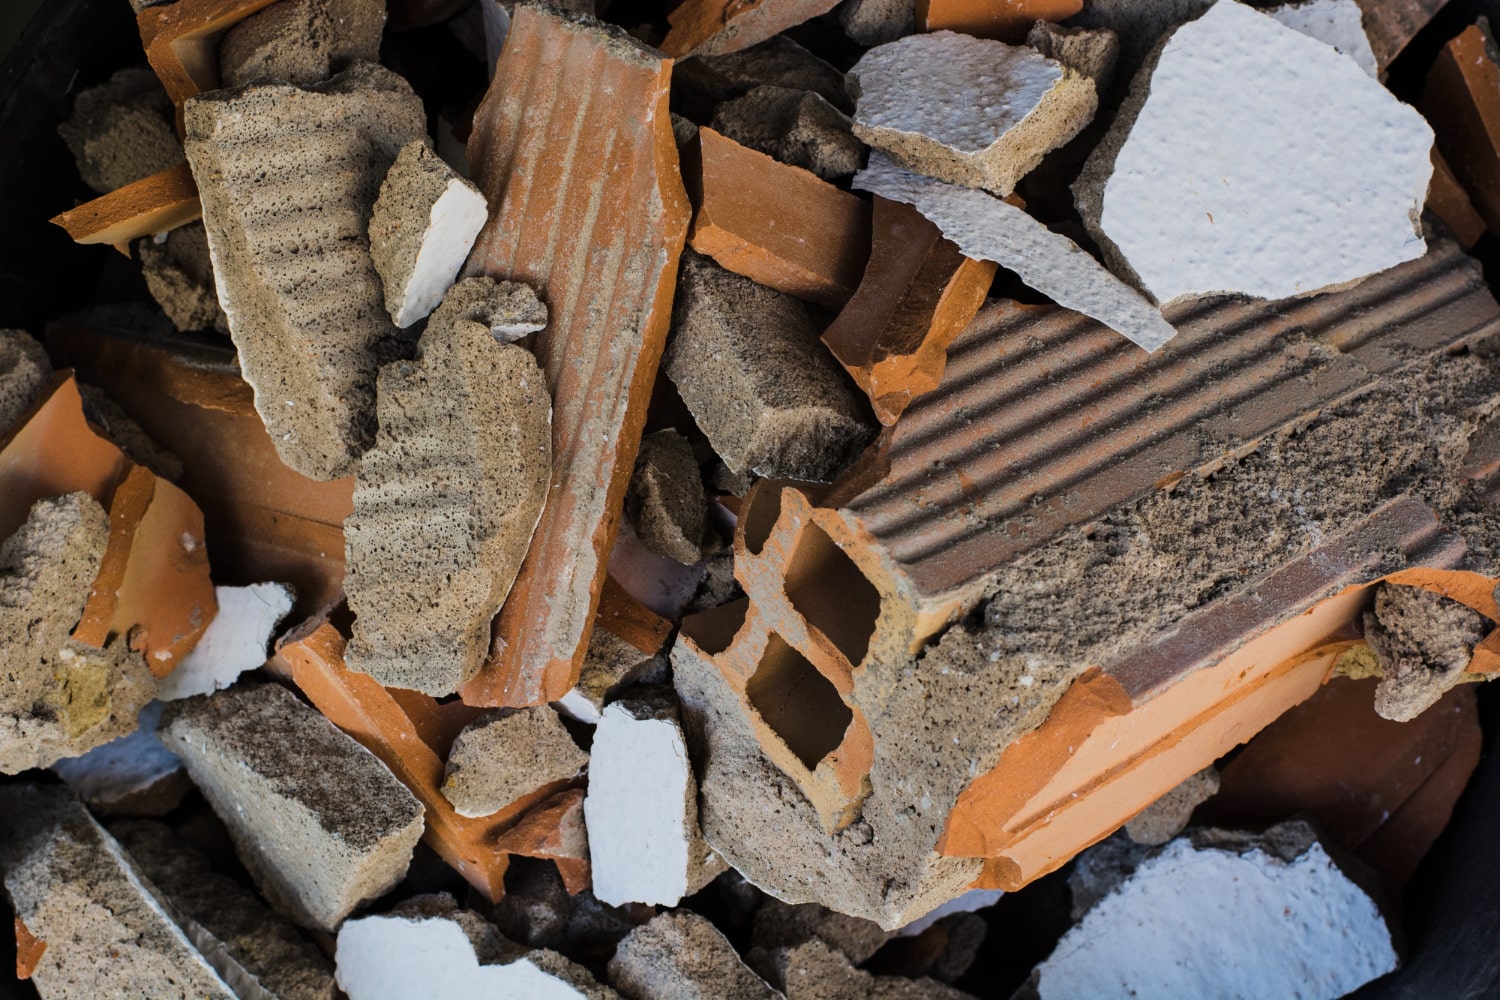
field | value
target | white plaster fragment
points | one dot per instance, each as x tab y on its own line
452	227
974	899
990	229
121	768
1215	923
1263	162
237	640
577	706
640	808
1332	22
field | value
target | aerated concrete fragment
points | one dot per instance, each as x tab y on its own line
60	697
1423	642
237	640
180	276
24	372
74	888
446	502
666	501
426	220
1350	174
301	42
814	971
1168	816
967	110
307	314
679	954
258	953
121	130
1283	919
748	364
641	809
507	754
794	126
428	946
322	829
133	775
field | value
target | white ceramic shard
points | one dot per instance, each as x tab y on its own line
237	640
1332	22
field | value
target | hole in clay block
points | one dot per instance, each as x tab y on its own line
760	517
799	704
712	631
826	587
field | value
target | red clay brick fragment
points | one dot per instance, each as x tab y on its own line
1005	20
587	207
29	950
1462	101
554	831
182	42
716	27
1447	199
145	207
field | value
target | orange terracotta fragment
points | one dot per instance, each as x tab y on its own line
554	831
1462	102
151	205
776	224
153	583
917	293
1447	200
631	620
587	207
182	42
715	27
1005	20
29	950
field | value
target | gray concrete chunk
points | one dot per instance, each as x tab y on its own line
505	755
122	130
1423	642
301	42
793	126
666	501
24	372
681	955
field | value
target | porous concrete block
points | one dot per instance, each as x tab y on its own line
133	775
875	22
425	221
60	697
1423	642
24	372
641	809
814	971
990	229
967	110
307	314
323	829
666	501
748	364
507	754
301	42
72	887
1328	191
428	946
682	955
179	274
237	640
257	952
1168	816
1337	23
446	502
121	130
1282	918
794	126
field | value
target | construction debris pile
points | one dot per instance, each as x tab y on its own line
730	500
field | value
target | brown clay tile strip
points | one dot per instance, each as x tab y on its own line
150	205
1006	20
1447	199
182	42
776	224
573	147
716	27
1462	101
29	950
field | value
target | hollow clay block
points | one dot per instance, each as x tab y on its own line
426	219
1423	642
248	945
60	697
967	110
306	313
323	829
301	42
682	955
110	417
748	364
446	502
428	946
72	886
122	131
237	640
1329	190
504	755
1285	920
666	501
796	127
24	371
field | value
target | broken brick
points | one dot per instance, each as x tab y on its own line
918	292
151	205
507	755
29	950
1391	24
1462	101
554	831
1005	20
777	62
773	223
1447	199
608	314
718	27
181	40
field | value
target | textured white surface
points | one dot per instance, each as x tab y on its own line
398	958
986	227
237	640
974	899
964	92
1264	162
636	809
1214	923
122	767
1332	22
452	227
